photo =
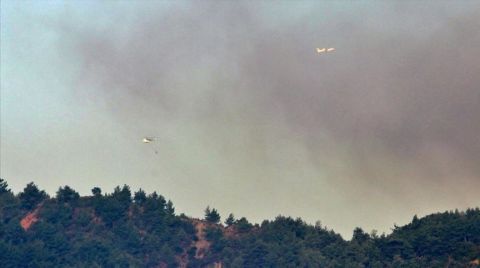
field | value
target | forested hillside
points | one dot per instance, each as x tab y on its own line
125	229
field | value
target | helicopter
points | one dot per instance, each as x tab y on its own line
148	139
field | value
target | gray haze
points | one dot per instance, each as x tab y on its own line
249	119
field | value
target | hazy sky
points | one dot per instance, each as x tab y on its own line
248	118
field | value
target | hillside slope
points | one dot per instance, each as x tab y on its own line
124	230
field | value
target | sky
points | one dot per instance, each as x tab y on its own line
247	117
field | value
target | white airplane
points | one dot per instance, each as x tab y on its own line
324	49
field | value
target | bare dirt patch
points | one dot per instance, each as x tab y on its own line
30	219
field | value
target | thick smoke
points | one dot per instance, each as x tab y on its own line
392	116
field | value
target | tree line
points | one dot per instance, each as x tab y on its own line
125	229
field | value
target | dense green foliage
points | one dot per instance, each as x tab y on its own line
121	229
437	240
95	231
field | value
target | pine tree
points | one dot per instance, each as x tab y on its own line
31	196
211	215
67	194
96	191
3	186
230	220
140	197
169	208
